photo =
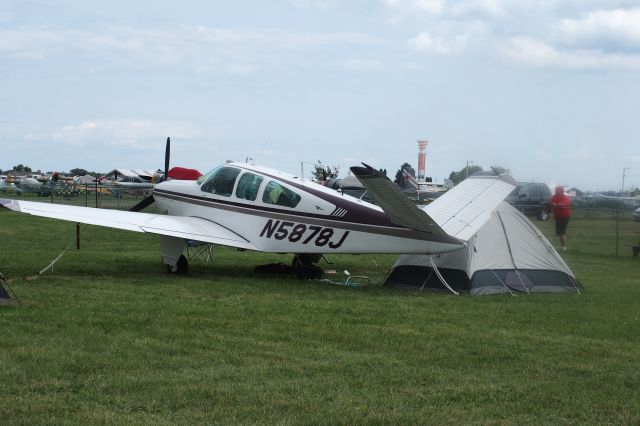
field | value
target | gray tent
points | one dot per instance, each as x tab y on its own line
507	255
5	297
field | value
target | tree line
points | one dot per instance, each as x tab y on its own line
21	168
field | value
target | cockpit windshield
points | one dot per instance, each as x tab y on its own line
220	181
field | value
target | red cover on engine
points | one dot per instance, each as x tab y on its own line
182	173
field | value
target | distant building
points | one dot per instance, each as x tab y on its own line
117	174
574	192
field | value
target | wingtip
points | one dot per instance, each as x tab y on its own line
493	174
365	171
9	204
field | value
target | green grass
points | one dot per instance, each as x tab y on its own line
109	338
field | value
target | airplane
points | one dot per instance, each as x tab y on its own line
614	197
9	187
127	185
29	184
257	208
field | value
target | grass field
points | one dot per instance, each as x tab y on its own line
109	338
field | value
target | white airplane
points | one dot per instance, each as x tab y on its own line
614	197
257	208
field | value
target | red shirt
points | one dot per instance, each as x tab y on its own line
561	205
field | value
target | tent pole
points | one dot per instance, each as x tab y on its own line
513	261
439	275
426	281
3	280
501	282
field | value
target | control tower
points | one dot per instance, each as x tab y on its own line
422	159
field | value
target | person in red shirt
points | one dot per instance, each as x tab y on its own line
561	212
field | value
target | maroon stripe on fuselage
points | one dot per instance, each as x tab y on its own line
382	227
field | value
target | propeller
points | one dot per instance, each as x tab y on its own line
147	201
167	154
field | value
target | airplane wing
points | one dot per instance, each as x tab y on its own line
463	210
189	228
460	212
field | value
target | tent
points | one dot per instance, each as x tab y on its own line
507	255
5	297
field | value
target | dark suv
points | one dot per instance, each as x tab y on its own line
532	199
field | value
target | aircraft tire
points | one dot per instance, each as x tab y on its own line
183	265
181	268
305	259
544	215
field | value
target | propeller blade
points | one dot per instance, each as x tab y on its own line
146	202
167	154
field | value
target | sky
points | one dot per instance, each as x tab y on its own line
548	89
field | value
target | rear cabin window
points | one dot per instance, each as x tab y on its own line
248	186
221	181
274	193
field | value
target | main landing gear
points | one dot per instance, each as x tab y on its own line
181	267
304	266
305	259
172	248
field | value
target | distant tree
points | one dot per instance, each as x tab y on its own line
500	170
78	172
22	168
323	173
462	174
383	171
399	179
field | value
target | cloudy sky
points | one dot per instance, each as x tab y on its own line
549	89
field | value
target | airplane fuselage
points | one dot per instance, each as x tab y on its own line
278	212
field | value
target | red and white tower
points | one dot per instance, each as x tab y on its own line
422	159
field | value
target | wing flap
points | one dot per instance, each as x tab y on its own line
190	228
195	228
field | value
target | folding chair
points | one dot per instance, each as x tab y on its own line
199	250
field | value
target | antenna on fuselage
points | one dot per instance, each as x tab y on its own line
302	169
264	145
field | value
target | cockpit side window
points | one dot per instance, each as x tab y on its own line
274	193
221	181
248	186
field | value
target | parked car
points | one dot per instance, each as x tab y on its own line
532	199
636	214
